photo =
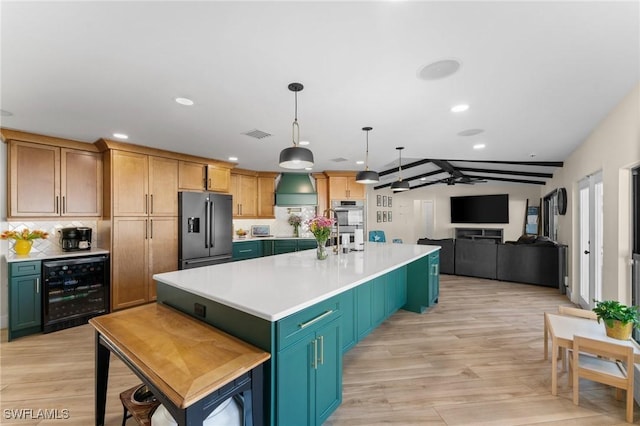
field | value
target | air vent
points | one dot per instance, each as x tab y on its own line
258	134
339	160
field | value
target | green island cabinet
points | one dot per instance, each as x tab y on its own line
304	375
289	246
309	365
25	299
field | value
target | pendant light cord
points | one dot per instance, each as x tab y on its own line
295	127
366	157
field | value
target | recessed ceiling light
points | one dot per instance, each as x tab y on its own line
5	113
120	136
460	108
479	146
439	69
233	158
359	162
423	178
470	132
184	101
303	143
308	168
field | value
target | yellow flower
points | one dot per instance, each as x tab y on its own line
24	234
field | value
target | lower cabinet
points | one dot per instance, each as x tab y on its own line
434	278
284	246
25	299
423	283
243	250
309	371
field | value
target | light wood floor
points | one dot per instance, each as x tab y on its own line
475	359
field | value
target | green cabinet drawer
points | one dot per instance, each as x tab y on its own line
284	246
294	327
247	250
267	248
307	244
18	269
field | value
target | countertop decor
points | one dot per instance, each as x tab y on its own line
23	239
320	227
295	221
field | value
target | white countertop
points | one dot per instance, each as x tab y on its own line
274	287
53	254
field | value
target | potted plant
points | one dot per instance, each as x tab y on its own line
24	239
619	319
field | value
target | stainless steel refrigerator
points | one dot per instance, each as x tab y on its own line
205	229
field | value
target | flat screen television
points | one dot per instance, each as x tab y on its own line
480	209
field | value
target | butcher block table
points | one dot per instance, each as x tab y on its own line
190	367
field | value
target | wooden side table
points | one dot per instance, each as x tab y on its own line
190	367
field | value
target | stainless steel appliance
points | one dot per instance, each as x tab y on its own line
74	290
75	238
349	215
204	229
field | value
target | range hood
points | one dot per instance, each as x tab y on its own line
296	189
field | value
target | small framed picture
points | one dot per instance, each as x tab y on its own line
384	216
389	202
389	215
379	215
378	201
384	201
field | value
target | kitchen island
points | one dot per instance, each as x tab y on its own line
306	313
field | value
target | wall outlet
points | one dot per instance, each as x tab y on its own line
200	310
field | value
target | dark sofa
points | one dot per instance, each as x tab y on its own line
530	260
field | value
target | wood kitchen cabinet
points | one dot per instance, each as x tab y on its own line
47	180
143	184
141	247
266	194
191	176
218	178
244	189
322	188
343	186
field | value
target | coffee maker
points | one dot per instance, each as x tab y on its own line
77	238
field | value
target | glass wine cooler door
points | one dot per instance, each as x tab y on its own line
75	290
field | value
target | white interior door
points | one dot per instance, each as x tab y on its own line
591	238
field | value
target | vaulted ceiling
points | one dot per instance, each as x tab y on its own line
537	76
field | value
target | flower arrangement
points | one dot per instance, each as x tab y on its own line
295	220
320	227
25	235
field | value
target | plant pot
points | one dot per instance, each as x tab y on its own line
321	250
619	331
23	247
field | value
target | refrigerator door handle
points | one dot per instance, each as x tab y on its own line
206	224
212	231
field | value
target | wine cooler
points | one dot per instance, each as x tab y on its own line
74	290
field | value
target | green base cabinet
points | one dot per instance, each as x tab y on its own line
284	246
243	250
25	299
309	367
423	283
434	278
307	244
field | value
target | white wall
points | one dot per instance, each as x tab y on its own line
614	148
4	245
406	215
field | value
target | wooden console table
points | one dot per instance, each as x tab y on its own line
190	366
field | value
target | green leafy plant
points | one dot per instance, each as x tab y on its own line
612	310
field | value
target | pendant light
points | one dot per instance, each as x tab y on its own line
400	185
367	176
296	157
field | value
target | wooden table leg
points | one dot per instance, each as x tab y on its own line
554	367
102	377
546	338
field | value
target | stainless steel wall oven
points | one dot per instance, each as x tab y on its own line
74	290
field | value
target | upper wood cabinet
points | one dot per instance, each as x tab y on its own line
218	178
143	184
46	180
322	188
244	189
198	177
343	186
266	191
191	176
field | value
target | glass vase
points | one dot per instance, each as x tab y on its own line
296	231
321	251
23	247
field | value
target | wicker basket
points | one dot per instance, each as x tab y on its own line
619	331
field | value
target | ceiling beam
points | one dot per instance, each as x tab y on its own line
532	182
407	166
507	172
520	163
420	176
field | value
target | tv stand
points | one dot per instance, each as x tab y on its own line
495	234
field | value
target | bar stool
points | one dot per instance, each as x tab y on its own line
141	411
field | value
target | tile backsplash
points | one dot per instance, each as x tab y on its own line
280	226
51	243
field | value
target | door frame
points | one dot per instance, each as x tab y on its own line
594	186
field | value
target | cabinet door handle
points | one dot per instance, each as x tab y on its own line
321	361
316	319
245	251
146	229
37	285
57	204
151	229
151	210
146	204
64	204
314	363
